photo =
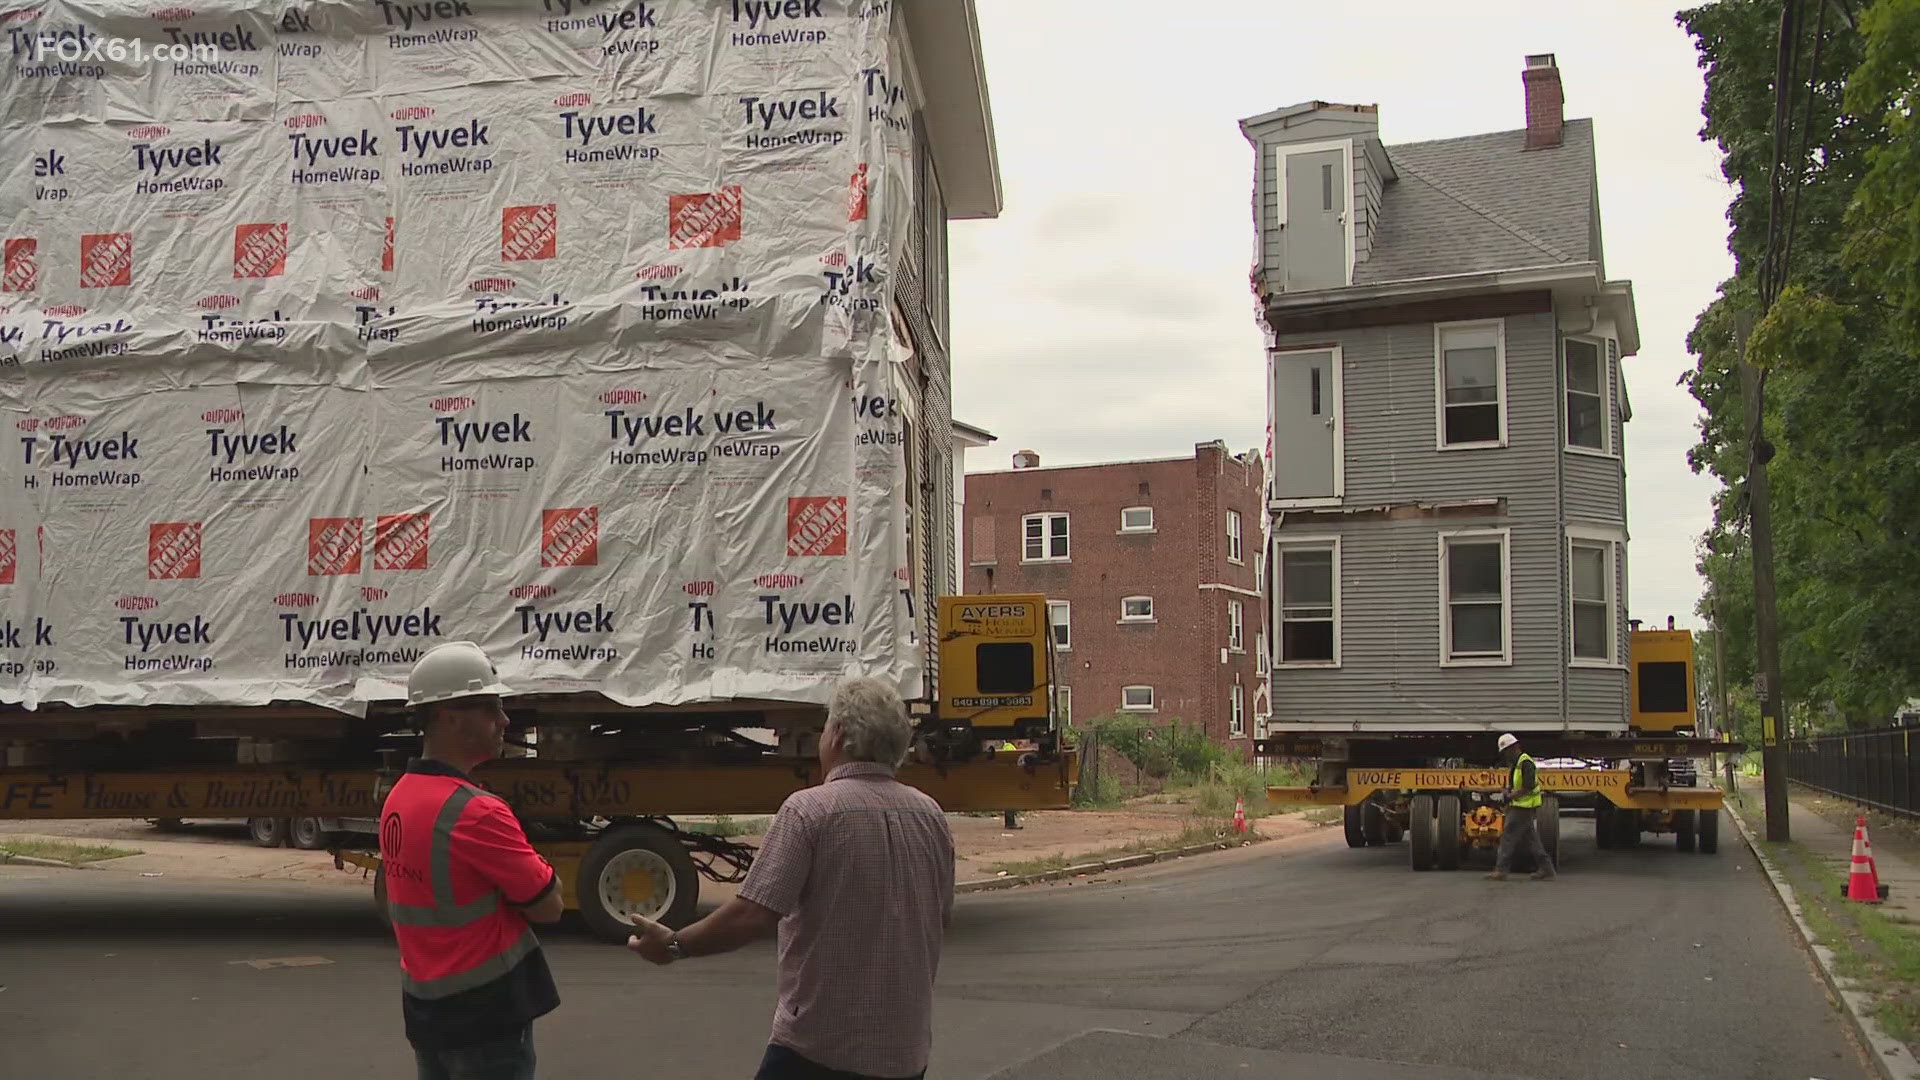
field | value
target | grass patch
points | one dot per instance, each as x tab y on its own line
1197	832
63	850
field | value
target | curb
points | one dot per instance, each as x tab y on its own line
1894	1060
30	860
1142	859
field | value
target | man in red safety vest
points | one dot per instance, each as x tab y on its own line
462	883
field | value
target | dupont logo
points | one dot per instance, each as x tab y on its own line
20	272
149	131
857	195
64	310
218	301
29	423
700	588
296	599
532	592
260	251
659	272
65	422
136	603
305	120
451	404
623	397
106	260
901	573
834	259
174	14
572	100
173	550
23	15
570	537
492	285
707	220
779	581
386	252
368	293
817	525
414	112
529	233
223	416
400	542
372	593
333	547
9	556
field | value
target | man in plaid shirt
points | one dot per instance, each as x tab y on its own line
857	876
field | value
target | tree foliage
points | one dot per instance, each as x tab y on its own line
1840	347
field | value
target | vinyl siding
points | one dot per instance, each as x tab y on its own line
1365	203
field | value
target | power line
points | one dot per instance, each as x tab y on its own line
1806	139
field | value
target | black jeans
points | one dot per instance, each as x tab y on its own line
783	1064
510	1058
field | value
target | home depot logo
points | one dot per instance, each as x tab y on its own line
21	270
817	525
400	542
711	219
260	251
532	592
570	537
173	550
106	260
529	233
136	603
333	547
296	599
857	195
9	556
386	251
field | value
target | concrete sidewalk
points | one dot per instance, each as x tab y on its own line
1832	842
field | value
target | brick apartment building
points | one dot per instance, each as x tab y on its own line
1152	573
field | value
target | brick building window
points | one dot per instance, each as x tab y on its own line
1136	519
1310	604
1136	609
1063	703
1236	626
1046	537
1237	724
1060	617
1136	698
1260	654
1236	547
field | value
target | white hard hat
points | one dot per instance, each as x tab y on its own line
1508	740
455	669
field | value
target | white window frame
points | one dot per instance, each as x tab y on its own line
1126	528
1615	541
1280	155
1236	538
1152	705
1063	702
1505	659
1236	626
1067	624
1607	449
1046	537
1260	657
1237	721
1126	618
1440	331
1278	614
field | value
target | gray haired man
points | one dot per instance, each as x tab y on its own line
857	875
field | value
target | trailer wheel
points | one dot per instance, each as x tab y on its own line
633	870
1626	827
1709	832
1420	832
1549	819
1373	823
1447	833
267	831
306	834
1683	830
1355	826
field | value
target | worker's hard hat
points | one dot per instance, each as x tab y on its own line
455	669
1508	740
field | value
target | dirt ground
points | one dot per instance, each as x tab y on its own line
220	850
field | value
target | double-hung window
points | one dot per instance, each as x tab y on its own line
1472	384
1046	538
1309	603
1476	619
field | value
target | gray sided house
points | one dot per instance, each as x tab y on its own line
1447	508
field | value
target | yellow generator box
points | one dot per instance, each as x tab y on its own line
996	664
1662	680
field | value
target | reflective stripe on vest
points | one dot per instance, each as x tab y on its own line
493	967
1532	799
444	912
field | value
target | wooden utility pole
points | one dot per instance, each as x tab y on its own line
1720	688
1773	756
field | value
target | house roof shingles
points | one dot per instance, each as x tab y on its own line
1483	203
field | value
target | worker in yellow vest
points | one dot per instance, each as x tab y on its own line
1522	824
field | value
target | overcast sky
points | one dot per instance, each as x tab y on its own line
1106	314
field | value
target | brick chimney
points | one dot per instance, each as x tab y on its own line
1545	101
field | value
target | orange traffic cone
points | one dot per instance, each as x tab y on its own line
1240	814
1863	878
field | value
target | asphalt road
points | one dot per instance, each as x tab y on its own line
1300	959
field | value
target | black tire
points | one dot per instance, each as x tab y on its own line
1447	832
307	834
1549	819
1605	829
267	831
1420	832
1709	832
1373	824
1684	830
168	824
1395	832
659	852
1626	828
1356	828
